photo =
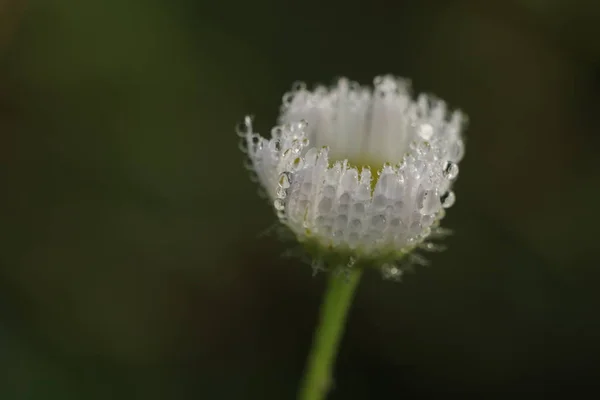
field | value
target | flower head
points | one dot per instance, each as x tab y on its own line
359	174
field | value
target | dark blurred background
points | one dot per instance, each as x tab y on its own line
131	264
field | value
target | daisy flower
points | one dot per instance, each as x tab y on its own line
360	175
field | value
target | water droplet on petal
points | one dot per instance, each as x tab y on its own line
279	204
457	150
297	164
423	148
345	198
298	86
329	191
281	193
430	202
341	220
359	208
355	224
338	237
450	170
378	221
425	131
448	199
275	145
353	239
311	156
398	205
241	129
379	201
390	271
425	233
325	205
276	132
285	180
418	168
325	230
287	153
243	145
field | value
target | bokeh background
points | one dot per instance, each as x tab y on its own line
131	262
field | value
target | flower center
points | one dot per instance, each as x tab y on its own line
367	127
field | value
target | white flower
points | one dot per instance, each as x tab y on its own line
359	173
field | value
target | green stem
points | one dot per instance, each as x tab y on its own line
334	309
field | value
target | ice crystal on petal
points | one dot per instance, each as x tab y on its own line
359	173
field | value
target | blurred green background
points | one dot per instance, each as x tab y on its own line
131	264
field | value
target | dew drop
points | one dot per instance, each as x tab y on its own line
243	145
418	168
317	266
355	224
359	208
378	221
430	202
287	153
298	86
353	239
287	99
345	198
341	220
285	180
241	129
425	131
338	236
279	204
448	199
395	222
427	220
325	205
450	170
391	271
363	193
423	149
325	230
329	191
386	181
275	145
350	179
311	156
297	164
276	132
300	125
379	201
398	205
281	193
457	150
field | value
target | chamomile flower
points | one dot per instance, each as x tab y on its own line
360	174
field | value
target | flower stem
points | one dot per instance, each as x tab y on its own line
334	309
